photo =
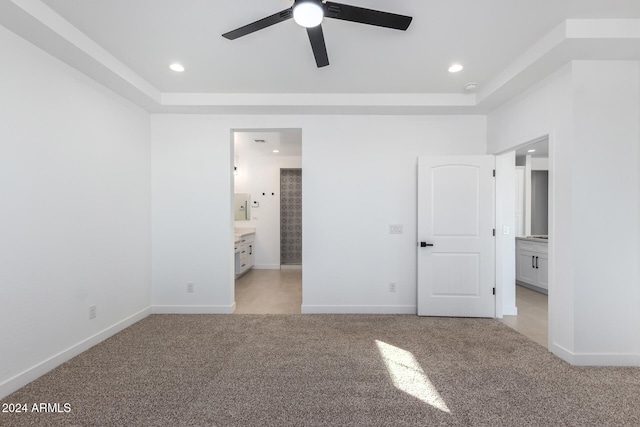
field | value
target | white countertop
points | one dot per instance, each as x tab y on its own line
239	233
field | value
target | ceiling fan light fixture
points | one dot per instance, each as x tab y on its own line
308	13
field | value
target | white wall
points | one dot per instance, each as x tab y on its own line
590	111
359	176
192	222
261	174
74	212
606	194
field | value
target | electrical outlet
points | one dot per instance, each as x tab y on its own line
392	286
190	287
92	311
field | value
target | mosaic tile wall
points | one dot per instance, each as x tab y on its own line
290	216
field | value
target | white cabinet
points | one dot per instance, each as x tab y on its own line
532	264
244	253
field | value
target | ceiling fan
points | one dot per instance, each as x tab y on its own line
309	14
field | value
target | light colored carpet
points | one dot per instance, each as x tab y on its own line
327	370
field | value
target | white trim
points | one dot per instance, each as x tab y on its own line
193	309
36	371
318	99
290	267
595	359
359	309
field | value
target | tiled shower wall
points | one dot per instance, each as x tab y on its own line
290	216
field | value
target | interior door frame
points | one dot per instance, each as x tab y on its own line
232	159
507	284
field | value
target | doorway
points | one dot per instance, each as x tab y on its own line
533	238
259	156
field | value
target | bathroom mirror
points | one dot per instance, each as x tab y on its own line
241	206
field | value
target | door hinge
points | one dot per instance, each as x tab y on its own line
494	232
494	173
494	291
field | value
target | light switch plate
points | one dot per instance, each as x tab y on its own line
395	229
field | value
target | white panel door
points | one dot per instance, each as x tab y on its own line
456	243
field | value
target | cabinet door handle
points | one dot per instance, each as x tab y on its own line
533	265
536	262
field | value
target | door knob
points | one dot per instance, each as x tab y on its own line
425	244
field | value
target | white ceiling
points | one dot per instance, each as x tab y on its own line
262	142
505	46
540	146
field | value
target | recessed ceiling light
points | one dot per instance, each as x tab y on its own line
276	151
531	151
455	68
178	68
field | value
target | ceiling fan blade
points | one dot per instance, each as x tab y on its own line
259	25
366	16
316	37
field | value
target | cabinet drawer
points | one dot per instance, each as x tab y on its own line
247	240
539	247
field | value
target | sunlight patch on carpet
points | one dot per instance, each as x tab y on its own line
408	376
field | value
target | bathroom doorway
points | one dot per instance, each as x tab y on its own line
533	235
267	166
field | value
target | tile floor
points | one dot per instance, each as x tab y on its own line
532	318
280	292
269	292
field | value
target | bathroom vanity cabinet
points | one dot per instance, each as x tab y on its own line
532	263
244	247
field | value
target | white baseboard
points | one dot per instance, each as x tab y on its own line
290	267
595	359
510	311
33	373
359	309
193	309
